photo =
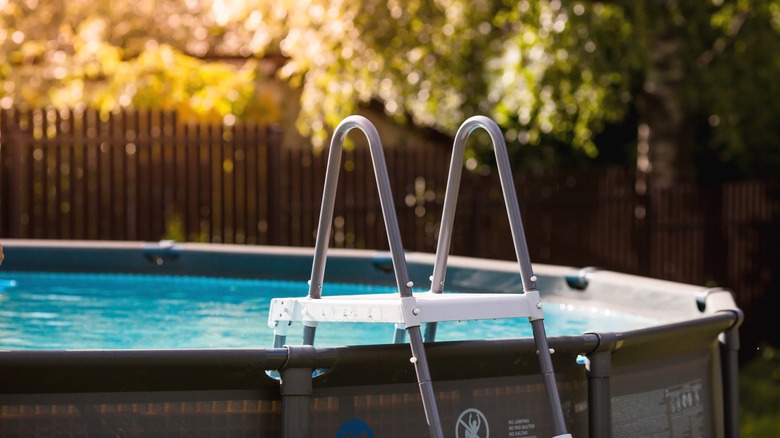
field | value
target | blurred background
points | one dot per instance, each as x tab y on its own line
643	134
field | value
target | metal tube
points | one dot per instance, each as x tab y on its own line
599	412
424	380
548	375
280	333
721	301
296	389
430	332
385	198
393	238
326	215
730	358
448	210
308	334
599	389
451	199
399	334
328	205
518	238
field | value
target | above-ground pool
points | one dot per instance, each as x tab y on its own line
650	358
67	311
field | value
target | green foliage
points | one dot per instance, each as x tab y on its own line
739	87
759	388
541	69
163	77
550	72
723	68
174	228
128	54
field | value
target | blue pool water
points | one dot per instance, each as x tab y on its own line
113	311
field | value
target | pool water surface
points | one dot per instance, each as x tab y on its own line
55	311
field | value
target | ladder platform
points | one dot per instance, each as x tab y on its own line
423	307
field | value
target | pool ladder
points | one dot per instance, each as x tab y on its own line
406	310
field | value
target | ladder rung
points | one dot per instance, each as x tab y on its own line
421	308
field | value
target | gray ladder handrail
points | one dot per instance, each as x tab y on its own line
510	200
396	249
385	199
518	237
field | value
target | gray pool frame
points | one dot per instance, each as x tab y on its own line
674	377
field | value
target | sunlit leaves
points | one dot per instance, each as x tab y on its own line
437	63
130	54
549	71
730	65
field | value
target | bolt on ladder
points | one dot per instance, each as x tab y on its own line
405	309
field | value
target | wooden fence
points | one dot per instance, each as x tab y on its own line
145	176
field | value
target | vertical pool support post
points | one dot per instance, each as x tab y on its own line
396	250
730	363
717	300
599	370
296	390
518	238
296	387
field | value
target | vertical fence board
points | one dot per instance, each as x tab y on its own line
81	174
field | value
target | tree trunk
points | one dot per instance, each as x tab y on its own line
666	136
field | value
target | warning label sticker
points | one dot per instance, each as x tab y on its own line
675	412
521	427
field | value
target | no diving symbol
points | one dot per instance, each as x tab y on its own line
472	424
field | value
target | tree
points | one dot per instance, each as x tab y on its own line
698	76
706	87
130	54
536	67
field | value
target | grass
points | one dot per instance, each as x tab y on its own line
759	389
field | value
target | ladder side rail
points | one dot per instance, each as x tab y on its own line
512	206
528	278
326	216
323	232
518	237
451	199
394	240
448	210
419	358
385	198
447	218
526	271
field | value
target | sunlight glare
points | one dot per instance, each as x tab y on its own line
17	37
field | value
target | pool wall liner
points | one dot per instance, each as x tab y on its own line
686	368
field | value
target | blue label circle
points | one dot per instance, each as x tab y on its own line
355	428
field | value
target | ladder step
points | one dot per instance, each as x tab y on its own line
421	308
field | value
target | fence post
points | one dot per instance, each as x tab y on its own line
479	203
715	248
642	228
273	151
14	174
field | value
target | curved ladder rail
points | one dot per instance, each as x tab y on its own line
518	238
396	248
